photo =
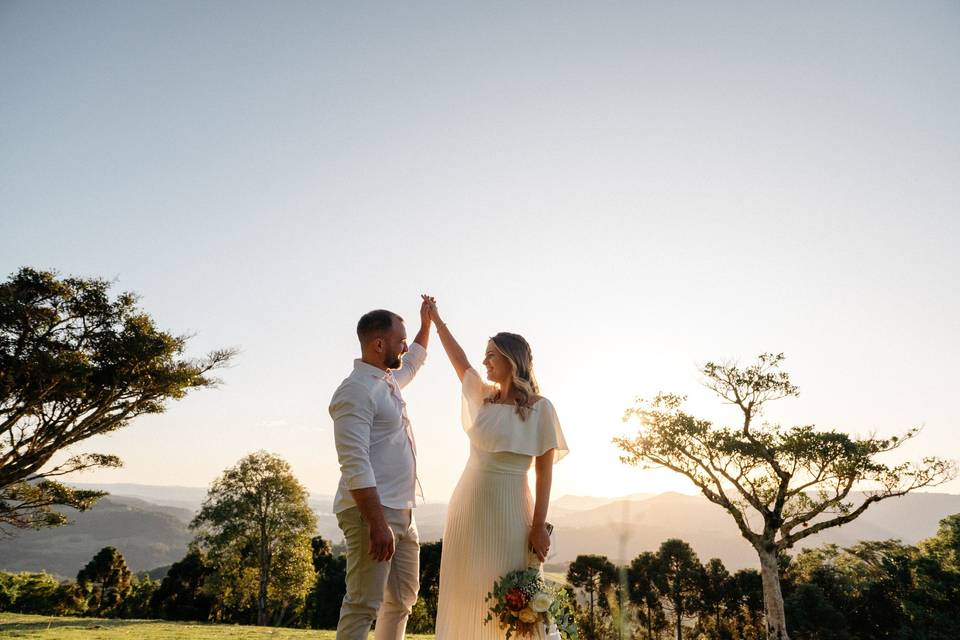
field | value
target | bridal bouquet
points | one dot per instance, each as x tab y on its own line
522	600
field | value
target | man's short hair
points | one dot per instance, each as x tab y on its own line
375	323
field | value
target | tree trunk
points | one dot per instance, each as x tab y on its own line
776	620
278	619
262	592
592	620
262	601
264	577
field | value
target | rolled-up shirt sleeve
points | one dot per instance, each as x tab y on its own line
352	410
413	359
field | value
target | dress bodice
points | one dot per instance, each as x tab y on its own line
497	428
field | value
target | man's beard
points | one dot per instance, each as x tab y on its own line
393	362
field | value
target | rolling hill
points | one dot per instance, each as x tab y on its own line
148	535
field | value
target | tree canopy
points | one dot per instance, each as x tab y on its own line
595	575
75	363
106	581
680	579
643	577
180	595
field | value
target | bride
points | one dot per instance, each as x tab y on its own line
494	525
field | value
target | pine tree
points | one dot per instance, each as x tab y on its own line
106	581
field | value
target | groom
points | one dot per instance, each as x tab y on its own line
378	477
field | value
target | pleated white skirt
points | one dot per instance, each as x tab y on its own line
485	537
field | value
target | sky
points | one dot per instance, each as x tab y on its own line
636	187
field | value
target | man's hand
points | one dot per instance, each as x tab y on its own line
381	537
382	544
423	336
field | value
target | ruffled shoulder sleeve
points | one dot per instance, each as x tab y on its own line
505	431
475	391
548	432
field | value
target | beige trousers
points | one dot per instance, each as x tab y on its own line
381	591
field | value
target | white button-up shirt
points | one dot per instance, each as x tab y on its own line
373	434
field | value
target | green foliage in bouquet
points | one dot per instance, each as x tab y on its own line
522	600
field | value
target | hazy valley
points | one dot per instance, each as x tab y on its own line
149	524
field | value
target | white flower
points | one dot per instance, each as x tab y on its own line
541	602
526	615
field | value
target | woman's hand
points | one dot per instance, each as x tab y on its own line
426	316
540	540
454	351
430	304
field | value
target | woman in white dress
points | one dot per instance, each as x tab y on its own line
494	525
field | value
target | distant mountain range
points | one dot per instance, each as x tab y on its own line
190	498
621	529
149	524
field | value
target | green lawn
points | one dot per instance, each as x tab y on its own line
557	577
15	625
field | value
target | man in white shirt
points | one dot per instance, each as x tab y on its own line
378	478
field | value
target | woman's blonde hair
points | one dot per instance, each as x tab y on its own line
518	353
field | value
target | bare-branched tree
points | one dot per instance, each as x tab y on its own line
779	484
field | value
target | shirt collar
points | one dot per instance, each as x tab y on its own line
368	369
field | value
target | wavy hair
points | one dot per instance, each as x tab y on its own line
517	351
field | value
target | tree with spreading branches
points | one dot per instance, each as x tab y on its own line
74	364
779	484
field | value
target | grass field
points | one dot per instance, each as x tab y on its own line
14	625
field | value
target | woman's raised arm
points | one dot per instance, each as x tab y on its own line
454	351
